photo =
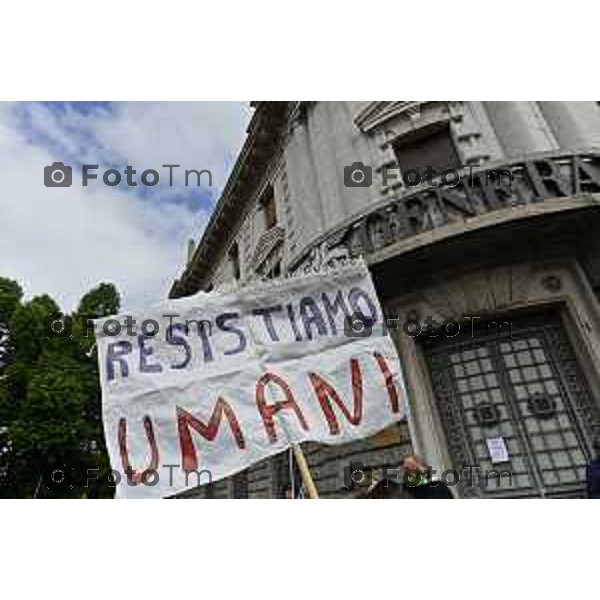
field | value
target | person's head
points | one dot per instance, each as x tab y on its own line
414	464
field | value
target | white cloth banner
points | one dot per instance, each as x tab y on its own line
230	378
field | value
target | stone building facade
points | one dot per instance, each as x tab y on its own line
489	271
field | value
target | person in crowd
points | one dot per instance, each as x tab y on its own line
387	488
415	482
419	481
592	472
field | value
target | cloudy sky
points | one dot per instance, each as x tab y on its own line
65	240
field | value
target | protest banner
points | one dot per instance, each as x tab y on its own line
202	387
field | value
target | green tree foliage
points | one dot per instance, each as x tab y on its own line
50	403
10	296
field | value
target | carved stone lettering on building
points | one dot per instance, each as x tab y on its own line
478	192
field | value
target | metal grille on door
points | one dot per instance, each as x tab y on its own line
513	400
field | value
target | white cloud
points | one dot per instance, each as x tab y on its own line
63	241
201	135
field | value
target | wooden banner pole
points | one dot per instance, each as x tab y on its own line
307	480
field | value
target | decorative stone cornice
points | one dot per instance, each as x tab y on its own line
376	113
264	132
